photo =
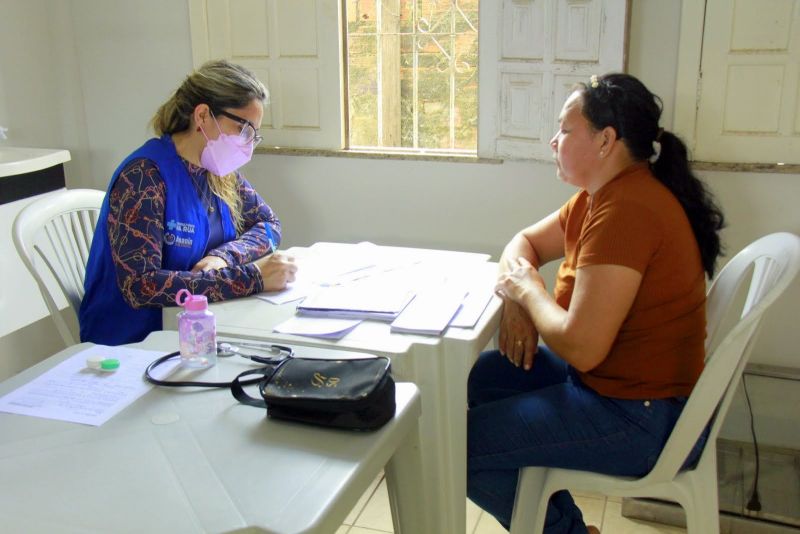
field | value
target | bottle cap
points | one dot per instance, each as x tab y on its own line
109	364
191	302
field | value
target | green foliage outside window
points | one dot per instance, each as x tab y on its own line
438	77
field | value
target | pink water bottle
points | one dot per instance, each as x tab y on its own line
197	331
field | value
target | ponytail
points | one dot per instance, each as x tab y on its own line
706	218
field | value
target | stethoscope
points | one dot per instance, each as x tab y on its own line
226	349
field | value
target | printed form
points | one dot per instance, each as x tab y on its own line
72	392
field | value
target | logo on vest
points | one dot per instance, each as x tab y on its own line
173	240
180	227
177	227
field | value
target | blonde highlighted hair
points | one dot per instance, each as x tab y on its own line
220	84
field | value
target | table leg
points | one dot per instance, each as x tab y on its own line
404	478
437	493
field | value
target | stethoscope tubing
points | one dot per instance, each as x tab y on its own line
191	383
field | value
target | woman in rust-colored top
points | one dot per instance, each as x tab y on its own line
625	325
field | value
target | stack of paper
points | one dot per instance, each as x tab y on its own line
357	301
473	306
431	311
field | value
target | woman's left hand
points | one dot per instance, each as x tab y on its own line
520	280
209	263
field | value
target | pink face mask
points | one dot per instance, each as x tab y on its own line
226	153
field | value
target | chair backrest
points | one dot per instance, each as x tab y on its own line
774	261
58	229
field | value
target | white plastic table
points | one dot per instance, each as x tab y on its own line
438	365
191	460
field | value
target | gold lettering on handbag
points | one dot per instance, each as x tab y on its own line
319	380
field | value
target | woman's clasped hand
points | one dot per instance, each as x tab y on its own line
518	337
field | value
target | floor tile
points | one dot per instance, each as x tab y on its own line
596	495
614	523
360	530
377	514
590	494
473	516
592	509
362	501
487	524
373	511
343	529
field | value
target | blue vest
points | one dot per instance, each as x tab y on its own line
105	317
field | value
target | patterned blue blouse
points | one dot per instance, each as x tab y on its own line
136	232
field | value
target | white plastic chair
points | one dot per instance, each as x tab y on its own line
64	220
775	261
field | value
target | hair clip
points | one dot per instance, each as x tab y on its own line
656	152
593	81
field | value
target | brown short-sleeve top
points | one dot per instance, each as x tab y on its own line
635	221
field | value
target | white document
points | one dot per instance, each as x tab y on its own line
335	263
472	308
317	327
303	284
430	312
294	291
325	264
72	392
371	299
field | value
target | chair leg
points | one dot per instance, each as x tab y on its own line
530	506
702	512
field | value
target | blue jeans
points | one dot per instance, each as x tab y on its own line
547	417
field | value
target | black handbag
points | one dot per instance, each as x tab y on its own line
356	394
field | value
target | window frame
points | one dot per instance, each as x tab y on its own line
490	98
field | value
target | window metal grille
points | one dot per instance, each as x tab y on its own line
413	74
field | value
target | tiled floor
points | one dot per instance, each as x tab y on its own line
373	516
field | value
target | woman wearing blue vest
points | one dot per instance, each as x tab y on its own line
178	214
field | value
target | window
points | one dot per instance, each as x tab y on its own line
413	74
414	68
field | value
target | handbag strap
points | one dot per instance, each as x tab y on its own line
266	372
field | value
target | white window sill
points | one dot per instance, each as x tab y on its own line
775	168
451	157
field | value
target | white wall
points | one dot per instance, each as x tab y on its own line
132	56
40	93
118	60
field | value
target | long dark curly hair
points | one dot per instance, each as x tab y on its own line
624	103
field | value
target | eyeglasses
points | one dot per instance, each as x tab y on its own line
248	133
